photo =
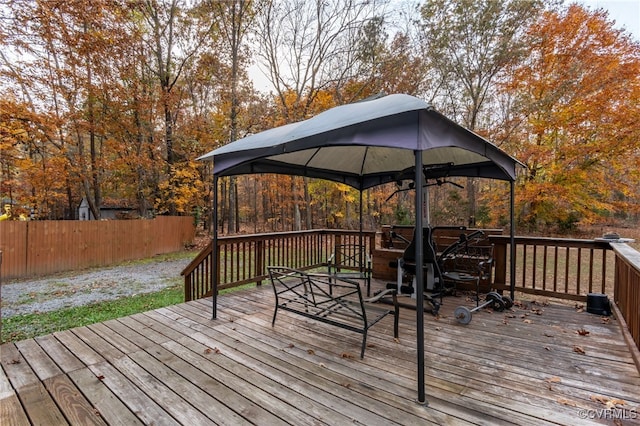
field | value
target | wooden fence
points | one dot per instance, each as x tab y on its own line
42	247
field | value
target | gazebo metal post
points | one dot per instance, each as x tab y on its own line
214	251
419	279
512	245
361	259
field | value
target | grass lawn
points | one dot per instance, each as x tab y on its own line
21	327
27	326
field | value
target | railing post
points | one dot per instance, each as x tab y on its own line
260	267
188	288
337	242
500	259
372	242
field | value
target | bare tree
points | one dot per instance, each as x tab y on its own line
310	45
469	43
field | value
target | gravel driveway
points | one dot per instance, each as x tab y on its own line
82	288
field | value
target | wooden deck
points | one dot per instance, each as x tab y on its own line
529	366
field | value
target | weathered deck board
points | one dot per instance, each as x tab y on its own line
532	365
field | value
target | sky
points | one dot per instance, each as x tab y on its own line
625	13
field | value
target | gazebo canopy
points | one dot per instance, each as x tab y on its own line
365	144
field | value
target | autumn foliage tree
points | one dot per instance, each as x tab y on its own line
575	124
106	80
114	102
63	78
468	44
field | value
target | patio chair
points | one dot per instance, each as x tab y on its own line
468	264
351	261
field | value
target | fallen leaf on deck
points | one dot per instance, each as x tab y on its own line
605	320
547	348
551	380
291	345
311	352
599	398
322	365
347	355
582	332
614	403
609	402
566	402
395	339
579	350
527	321
347	385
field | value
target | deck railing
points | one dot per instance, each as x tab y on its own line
555	267
243	259
627	289
570	269
552	267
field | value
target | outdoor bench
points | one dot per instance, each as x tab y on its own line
331	300
351	261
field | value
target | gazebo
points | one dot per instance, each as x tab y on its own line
365	144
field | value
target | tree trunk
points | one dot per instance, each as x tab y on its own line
307	201
232	226
471	199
